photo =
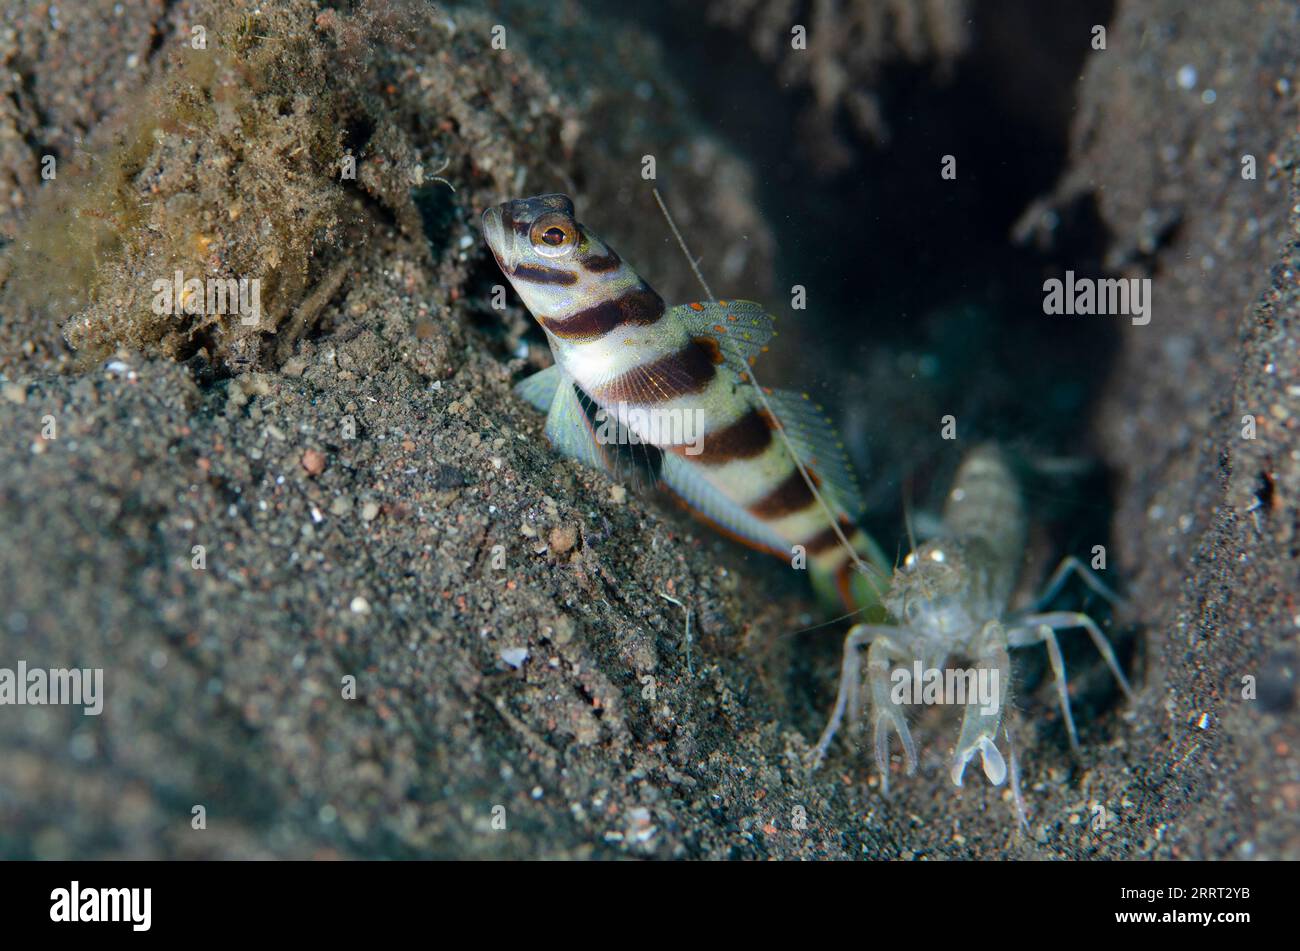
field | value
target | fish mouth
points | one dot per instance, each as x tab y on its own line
499	238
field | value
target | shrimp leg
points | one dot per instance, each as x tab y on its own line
1062	573
1024	637
979	727
885	713
1067	620
848	700
1016	797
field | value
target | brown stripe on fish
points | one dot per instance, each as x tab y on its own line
600	263
639	305
744	438
828	538
538	274
792	495
844	580
685	373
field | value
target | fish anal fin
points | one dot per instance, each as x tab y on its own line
709	504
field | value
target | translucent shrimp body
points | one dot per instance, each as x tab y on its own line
951	596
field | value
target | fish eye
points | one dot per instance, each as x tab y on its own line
553	235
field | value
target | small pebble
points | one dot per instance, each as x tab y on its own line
562	538
314	462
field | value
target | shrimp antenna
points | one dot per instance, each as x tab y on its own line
907	513
681	243
870	573
834	620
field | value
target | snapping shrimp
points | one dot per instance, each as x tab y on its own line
951	596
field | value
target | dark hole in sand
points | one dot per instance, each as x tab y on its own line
495	331
437	207
922	295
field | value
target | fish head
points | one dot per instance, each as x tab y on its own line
531	229
552	260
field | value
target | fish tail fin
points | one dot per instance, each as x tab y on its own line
840	582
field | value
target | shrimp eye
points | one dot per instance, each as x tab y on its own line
553	235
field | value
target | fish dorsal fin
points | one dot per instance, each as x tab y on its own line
538	390
741	329
820	449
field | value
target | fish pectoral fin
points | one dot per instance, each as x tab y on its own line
569	428
820	449
741	329
538	390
